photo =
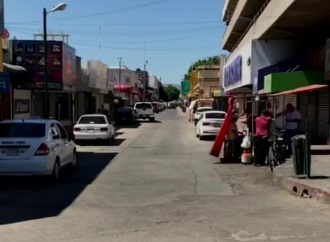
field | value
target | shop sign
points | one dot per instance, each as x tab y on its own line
22	106
185	87
61	63
4	83
233	72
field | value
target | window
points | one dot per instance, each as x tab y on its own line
143	106
92	120
63	133
22	130
215	115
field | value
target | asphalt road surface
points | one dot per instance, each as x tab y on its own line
157	183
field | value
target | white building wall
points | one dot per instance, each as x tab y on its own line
269	52
98	74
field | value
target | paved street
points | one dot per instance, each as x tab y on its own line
158	183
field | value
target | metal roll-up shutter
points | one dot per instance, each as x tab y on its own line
323	115
291	99
312	104
22	103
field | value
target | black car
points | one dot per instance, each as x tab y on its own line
126	115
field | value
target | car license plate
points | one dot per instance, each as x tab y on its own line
12	152
217	125
90	129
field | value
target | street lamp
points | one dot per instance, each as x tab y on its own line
58	7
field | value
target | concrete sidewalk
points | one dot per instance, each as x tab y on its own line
318	186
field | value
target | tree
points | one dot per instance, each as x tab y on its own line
213	60
162	93
172	93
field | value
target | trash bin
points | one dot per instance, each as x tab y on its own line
301	155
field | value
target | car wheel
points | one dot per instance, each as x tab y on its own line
152	119
74	161
55	176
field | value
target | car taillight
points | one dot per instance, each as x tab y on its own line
77	129
206	124
104	129
42	150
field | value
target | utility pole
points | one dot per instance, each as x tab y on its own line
119	79
144	80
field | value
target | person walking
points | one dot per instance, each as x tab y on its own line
261	145
292	121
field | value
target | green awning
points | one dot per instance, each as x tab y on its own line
284	81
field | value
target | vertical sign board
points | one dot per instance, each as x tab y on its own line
185	87
4	83
327	60
30	54
233	73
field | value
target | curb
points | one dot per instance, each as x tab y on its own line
300	188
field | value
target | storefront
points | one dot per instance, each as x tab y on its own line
29	93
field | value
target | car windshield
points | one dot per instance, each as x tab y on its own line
124	110
22	130
200	110
92	120
143	105
215	115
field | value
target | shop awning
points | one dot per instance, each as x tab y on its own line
298	90
13	68
123	87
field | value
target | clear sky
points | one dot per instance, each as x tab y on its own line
169	34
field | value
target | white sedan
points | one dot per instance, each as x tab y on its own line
199	112
35	147
94	127
209	123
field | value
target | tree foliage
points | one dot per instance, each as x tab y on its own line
172	93
214	60
162	93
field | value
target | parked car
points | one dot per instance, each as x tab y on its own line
145	110
209	123
155	107
126	115
94	127
199	111
35	147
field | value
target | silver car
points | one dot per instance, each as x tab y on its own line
35	147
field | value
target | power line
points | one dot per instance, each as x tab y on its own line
133	7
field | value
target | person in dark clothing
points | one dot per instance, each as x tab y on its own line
261	145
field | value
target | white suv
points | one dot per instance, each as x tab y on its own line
35	147
145	111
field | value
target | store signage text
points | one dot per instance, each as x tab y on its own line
233	72
22	106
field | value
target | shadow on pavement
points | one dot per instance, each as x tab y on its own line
116	142
27	198
151	122
128	126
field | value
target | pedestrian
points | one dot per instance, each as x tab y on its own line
261	145
233	139
292	121
191	108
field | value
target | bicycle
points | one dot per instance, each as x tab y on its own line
276	151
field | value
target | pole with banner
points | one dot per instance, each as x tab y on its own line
216	148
